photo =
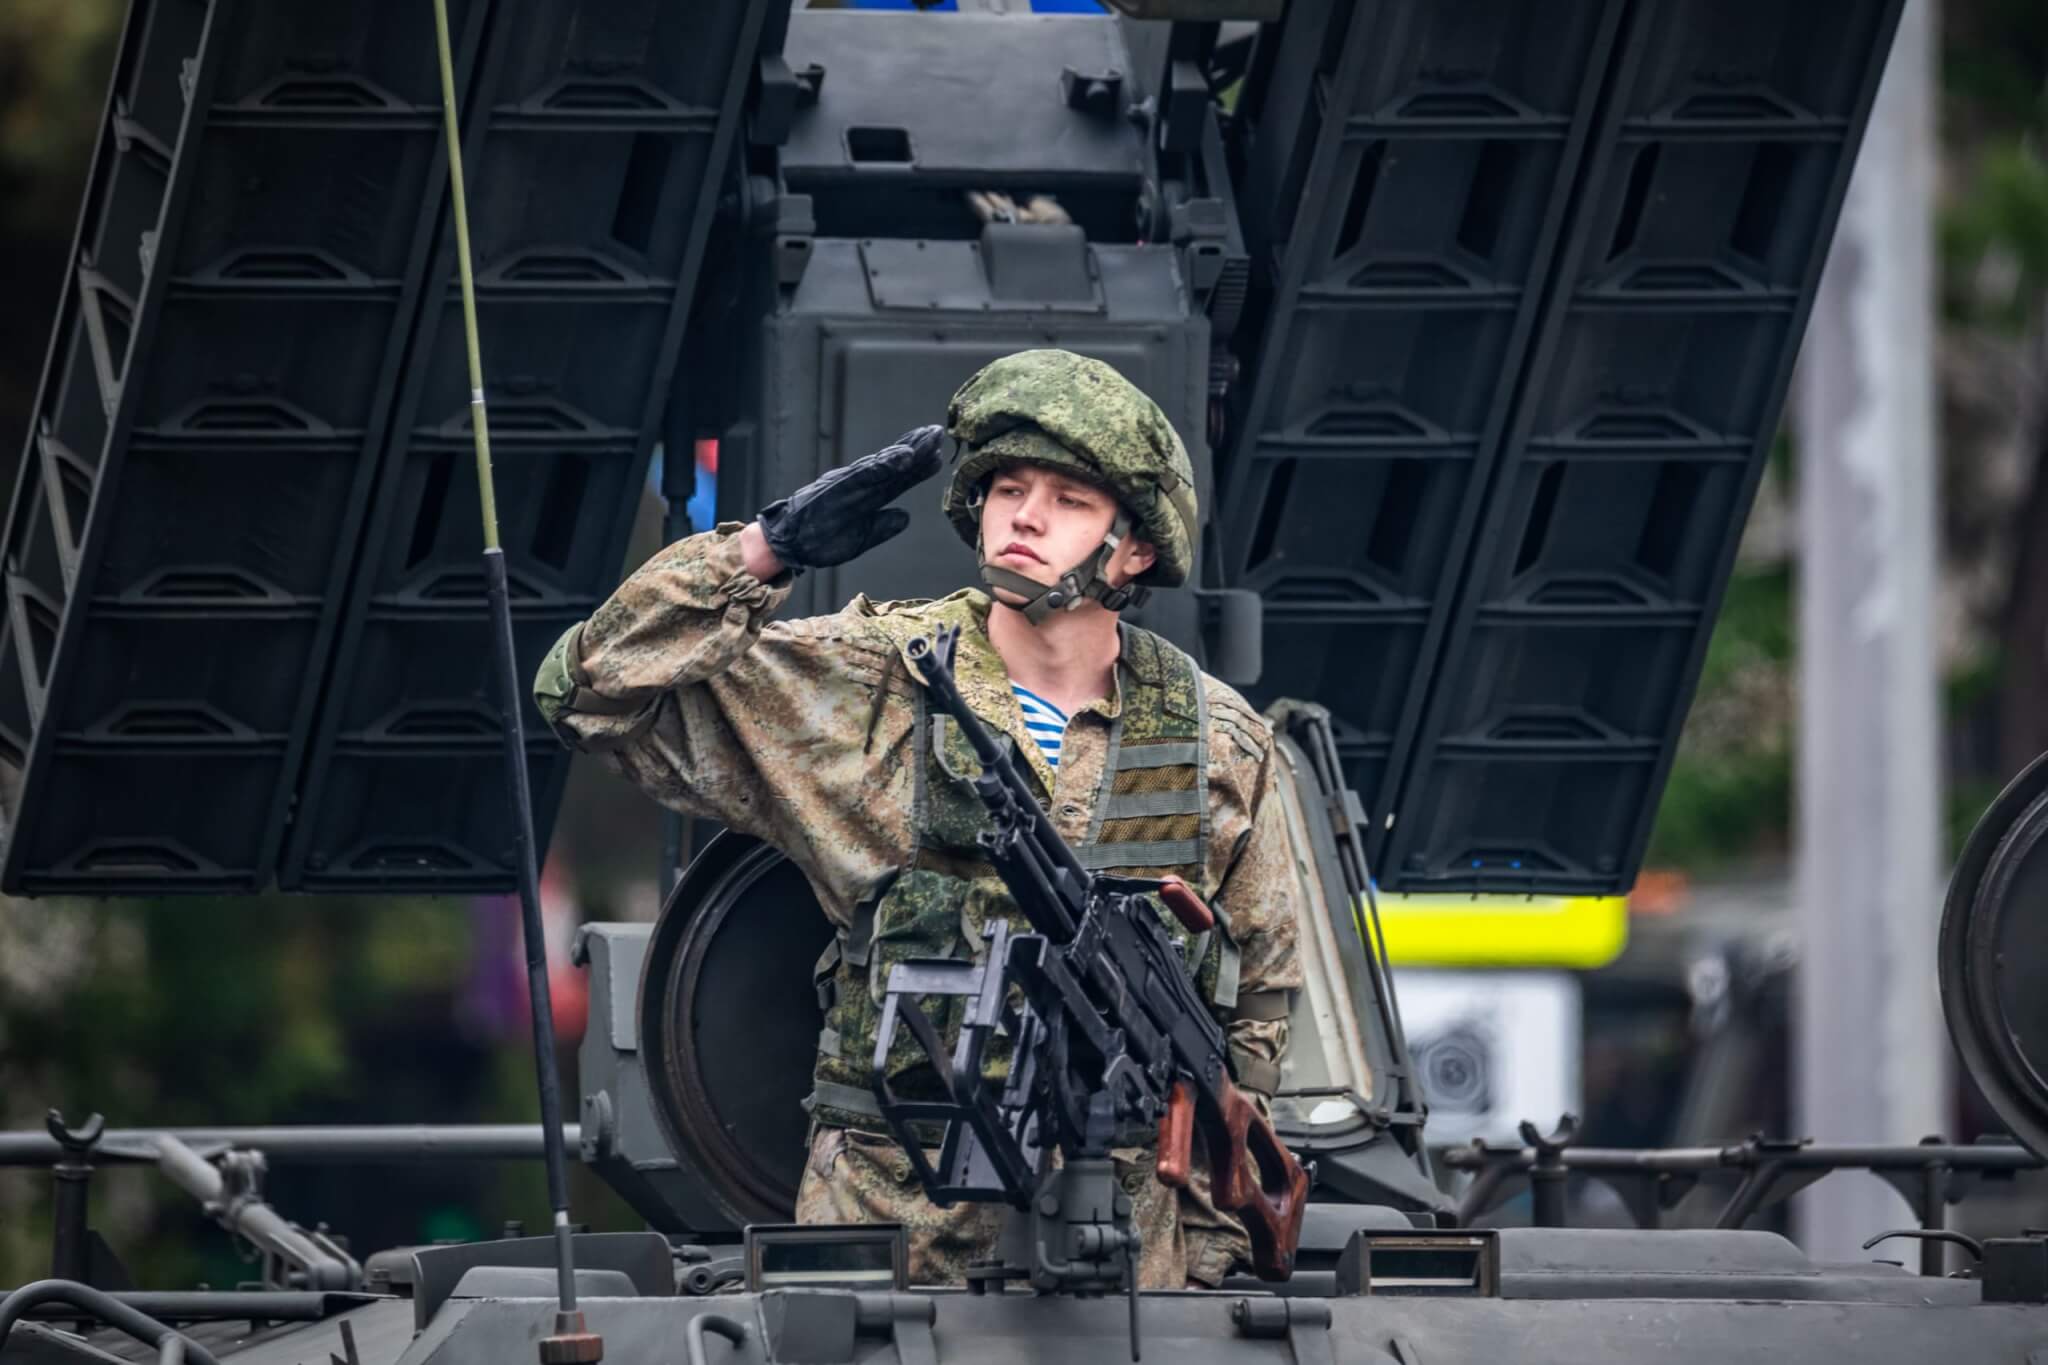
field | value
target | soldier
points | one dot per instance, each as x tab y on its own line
1079	497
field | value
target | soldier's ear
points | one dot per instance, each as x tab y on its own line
1138	556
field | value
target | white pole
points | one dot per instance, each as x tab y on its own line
1871	1060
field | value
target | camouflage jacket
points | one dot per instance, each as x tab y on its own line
800	733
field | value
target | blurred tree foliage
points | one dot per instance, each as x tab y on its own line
54	59
1730	794
1994	274
262	1010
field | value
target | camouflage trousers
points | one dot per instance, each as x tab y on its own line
856	1177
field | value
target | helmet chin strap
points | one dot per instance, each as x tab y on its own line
1082	583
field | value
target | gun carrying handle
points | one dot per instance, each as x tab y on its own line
1187	907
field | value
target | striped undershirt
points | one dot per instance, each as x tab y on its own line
1046	722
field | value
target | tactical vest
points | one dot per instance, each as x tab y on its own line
1150	817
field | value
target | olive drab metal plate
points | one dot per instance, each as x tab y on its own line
1994	956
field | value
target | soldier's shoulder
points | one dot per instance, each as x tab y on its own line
901	620
854	629
923	608
1234	718
866	626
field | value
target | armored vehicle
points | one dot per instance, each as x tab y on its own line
1477	319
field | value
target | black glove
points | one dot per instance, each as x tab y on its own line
845	512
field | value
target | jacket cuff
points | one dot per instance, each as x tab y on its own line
737	587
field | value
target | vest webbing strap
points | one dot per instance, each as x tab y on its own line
849	1106
1155	853
850	1098
1227	966
860	935
1173	753
1128	804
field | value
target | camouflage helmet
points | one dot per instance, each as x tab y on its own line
1069	412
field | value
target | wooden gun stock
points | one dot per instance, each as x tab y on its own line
1252	1175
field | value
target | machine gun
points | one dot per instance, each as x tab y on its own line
1109	1035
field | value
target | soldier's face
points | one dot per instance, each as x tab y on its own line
1040	523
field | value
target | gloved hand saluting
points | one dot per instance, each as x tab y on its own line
845	513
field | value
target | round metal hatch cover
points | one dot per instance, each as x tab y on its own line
729	1021
1994	956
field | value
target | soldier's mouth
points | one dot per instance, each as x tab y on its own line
1021	552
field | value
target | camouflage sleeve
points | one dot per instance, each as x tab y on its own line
1259	894
647	681
681	617
1261	898
791	731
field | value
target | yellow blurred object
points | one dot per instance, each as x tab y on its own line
1576	932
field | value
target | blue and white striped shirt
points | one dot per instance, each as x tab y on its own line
1046	722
